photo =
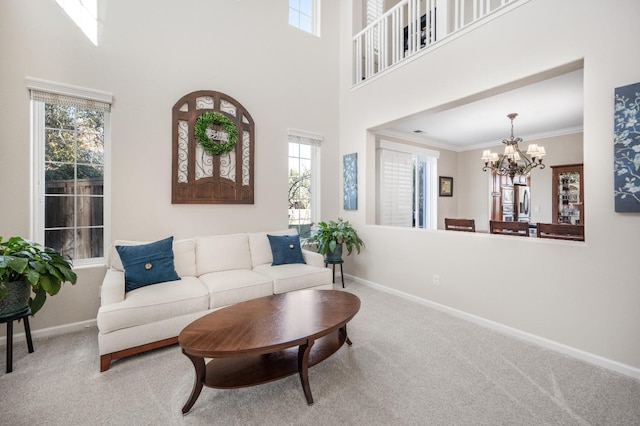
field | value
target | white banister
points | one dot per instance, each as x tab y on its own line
411	26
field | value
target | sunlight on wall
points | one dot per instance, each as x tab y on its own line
85	14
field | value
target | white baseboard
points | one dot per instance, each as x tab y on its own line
47	332
609	364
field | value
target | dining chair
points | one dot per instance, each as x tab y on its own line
561	231
520	229
466	225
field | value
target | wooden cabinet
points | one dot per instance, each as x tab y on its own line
504	206
568	194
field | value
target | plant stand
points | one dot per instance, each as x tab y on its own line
334	263
9	319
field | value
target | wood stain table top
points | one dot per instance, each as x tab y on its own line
268	338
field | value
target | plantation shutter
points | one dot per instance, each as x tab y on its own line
396	188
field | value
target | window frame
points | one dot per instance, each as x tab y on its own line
428	156
315	17
37	113
314	141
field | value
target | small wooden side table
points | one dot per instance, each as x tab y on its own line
24	316
333	263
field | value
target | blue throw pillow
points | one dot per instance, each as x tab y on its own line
147	264
285	249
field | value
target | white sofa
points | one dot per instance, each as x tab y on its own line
215	271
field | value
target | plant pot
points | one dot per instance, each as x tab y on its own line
336	255
17	298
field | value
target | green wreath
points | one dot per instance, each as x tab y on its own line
212	147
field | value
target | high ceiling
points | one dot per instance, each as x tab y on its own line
546	106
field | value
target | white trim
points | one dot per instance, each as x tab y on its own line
316	182
68	90
527	138
51	331
317	18
598	360
436	143
37	161
432	193
440	43
410	149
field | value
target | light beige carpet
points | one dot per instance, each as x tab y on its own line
409	365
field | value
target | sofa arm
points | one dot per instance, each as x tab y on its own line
112	287
312	258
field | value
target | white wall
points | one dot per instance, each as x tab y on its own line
582	295
473	185
150	54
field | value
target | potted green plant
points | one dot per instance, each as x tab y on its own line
26	267
329	239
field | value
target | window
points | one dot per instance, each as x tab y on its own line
304	14
304	180
70	143
85	15
407	186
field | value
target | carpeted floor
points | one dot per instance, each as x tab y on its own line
409	365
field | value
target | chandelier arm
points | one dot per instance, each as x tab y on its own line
513	161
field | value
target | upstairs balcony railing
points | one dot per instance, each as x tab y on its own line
411	26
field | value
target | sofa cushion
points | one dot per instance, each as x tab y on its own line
222	253
184	256
147	264
229	287
285	249
260	247
154	303
295	276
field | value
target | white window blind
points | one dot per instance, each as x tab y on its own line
396	188
375	9
305	140
57	99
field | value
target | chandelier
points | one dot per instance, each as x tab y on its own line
513	161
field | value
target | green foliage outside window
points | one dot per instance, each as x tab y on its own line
73	135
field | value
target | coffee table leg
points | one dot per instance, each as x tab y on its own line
346	337
303	369
201	371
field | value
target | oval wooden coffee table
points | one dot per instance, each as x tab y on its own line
255	341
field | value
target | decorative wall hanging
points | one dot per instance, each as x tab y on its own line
213	150
218	144
626	147
350	181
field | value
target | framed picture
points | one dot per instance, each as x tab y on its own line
446	186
